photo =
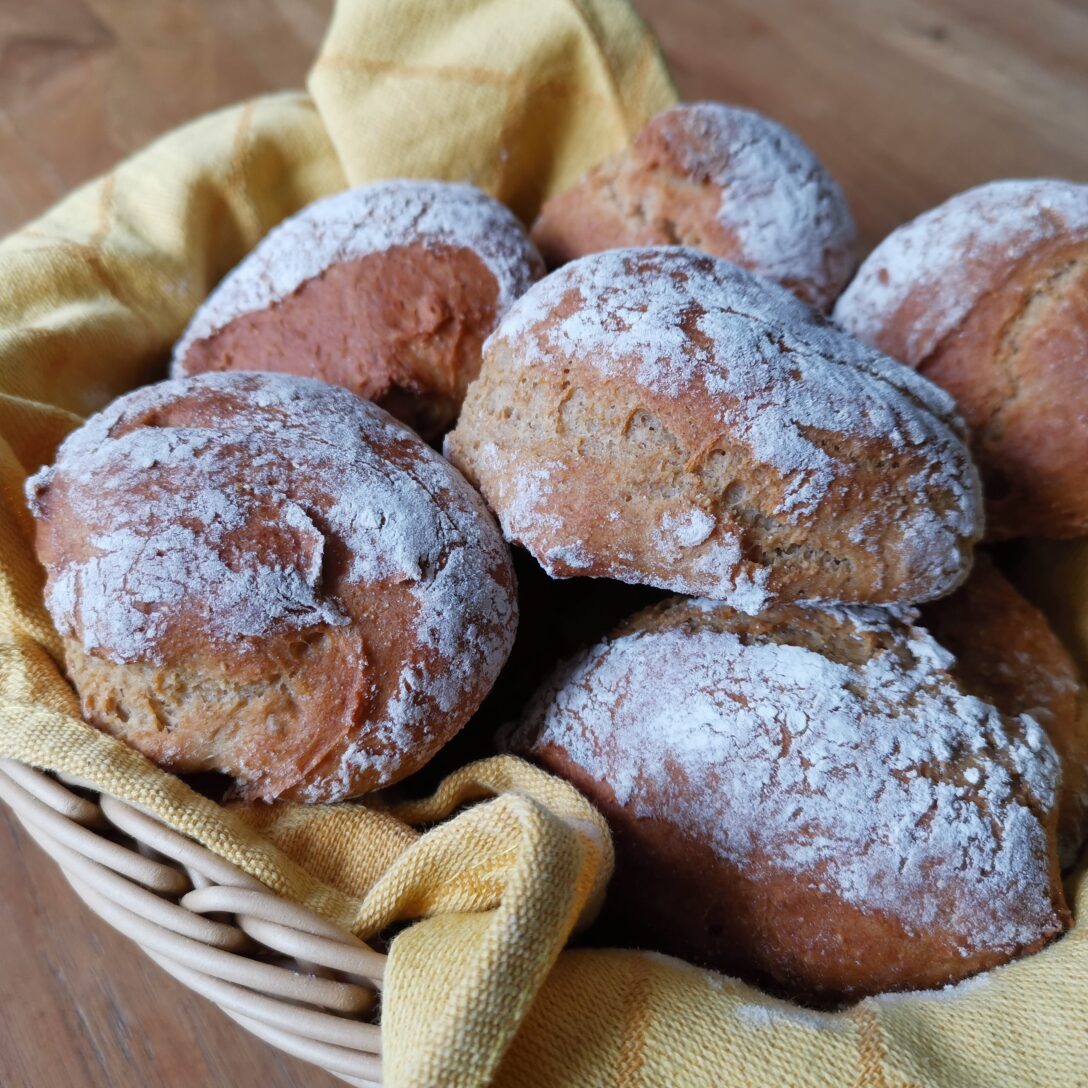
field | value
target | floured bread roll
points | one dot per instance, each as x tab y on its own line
663	417
987	295
807	798
387	289
267	576
1007	655
722	179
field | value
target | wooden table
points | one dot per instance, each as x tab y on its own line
906	101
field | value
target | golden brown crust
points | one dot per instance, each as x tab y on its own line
807	798
1017	367
721	179
715	438
267	576
1007	655
388	290
987	295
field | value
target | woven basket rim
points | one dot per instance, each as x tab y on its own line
289	976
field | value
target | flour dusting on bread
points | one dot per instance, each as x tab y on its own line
662	381
361	221
219	513
785	211
845	754
680	323
955	253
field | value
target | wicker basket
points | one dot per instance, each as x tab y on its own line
287	975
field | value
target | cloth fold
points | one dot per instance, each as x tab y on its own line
518	98
503	863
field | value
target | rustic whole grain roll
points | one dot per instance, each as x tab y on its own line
987	295
1007	655
722	179
388	290
663	417
807	798
267	576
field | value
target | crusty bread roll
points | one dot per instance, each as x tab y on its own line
663	417
722	179
267	576
807	798
987	295
387	289
1007	655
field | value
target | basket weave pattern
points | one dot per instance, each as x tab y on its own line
289	976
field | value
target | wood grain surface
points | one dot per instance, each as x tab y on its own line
907	101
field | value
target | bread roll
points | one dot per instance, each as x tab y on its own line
266	576
663	417
807	798
388	290
987	295
1007	655
722	179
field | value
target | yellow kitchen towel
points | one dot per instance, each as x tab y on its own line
504	862
516	96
